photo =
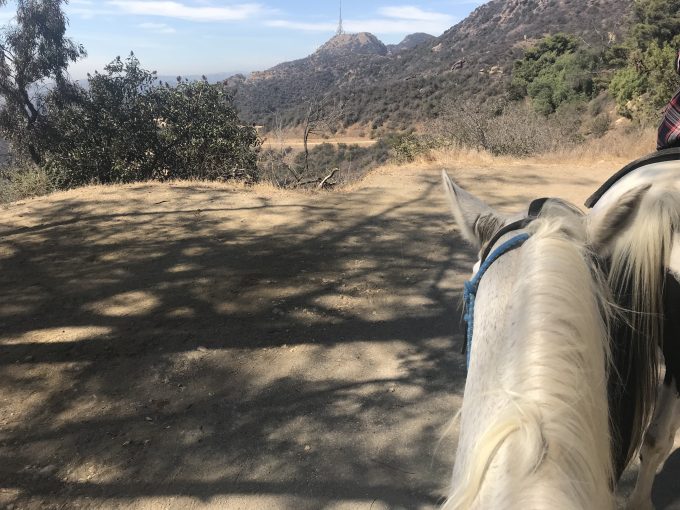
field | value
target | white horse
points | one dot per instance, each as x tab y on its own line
644	261
534	424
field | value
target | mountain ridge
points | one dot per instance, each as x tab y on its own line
397	90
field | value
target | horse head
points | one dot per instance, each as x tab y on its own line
534	424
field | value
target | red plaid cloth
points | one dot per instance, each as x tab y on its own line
669	130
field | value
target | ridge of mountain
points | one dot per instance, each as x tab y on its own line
409	42
399	89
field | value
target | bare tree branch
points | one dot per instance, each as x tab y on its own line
321	118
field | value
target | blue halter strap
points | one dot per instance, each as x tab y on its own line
471	286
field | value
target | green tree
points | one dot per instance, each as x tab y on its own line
200	134
655	21
557	70
128	127
647	81
33	50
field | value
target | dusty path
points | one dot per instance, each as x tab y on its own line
197	346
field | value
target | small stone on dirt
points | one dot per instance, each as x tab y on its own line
48	470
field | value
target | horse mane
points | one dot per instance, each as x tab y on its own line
554	428
639	256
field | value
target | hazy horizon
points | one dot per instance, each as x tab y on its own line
194	37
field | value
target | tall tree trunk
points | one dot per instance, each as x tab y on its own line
34	153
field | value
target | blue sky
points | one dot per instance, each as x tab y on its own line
209	36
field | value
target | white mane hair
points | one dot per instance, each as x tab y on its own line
639	256
544	442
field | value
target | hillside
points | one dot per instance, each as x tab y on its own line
410	42
286	86
397	89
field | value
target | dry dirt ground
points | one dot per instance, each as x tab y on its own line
200	346
296	143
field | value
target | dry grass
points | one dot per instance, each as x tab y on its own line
616	148
296	143
622	145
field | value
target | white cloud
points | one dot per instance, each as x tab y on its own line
86	9
393	20
399	26
410	12
157	28
169	9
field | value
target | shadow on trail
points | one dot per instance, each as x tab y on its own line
153	348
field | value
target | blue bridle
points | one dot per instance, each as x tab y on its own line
471	286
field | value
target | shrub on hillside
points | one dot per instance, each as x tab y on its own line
286	169
127	127
513	128
556	71
648	80
406	148
23	181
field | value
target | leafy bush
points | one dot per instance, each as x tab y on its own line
23	181
126	127
407	148
600	125
555	71
648	80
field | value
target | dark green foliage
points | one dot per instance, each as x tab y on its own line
127	127
33	49
656	21
123	127
648	80
19	181
555	71
407	148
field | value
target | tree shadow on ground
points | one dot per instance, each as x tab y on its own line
182	344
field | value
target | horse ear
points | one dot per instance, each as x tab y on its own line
477	221
603	228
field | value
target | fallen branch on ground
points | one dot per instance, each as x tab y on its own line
321	182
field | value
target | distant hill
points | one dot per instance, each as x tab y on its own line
398	88
344	45
212	77
410	42
172	79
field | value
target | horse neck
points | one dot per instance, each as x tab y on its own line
545	443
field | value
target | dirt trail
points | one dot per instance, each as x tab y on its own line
199	346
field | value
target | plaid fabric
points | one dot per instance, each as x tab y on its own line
669	130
